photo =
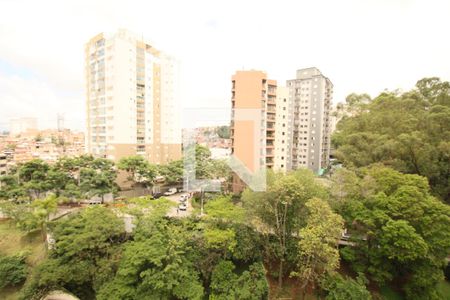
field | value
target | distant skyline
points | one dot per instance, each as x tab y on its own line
362	46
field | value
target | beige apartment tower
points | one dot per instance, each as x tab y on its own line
310	95
252	91
132	99
283	131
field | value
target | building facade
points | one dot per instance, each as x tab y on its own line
132	92
310	96
253	131
283	131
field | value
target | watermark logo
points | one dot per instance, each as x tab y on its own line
251	120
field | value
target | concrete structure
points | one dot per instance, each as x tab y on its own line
310	100
283	131
253	92
22	125
132	99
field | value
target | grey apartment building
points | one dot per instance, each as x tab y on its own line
310	95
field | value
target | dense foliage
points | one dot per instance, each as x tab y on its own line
401	232
163	259
409	132
85	255
338	287
13	270
70	178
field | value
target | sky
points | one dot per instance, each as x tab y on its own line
362	46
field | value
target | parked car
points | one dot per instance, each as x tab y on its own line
157	195
183	198
170	192
160	179
182	206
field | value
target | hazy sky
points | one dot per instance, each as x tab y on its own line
362	46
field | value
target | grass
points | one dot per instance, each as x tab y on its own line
12	241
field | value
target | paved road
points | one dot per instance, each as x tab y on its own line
173	212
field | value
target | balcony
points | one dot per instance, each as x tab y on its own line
272	99
271	118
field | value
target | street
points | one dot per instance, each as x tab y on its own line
174	211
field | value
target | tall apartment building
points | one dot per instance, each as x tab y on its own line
252	91
310	96
132	99
283	131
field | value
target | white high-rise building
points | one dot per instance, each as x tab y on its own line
310	97
283	131
133	100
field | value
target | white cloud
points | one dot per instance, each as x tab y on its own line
362	46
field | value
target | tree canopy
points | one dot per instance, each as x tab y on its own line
409	132
399	228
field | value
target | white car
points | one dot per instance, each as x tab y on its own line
183	198
182	206
170	192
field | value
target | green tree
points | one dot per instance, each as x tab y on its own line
222	209
172	172
13	270
279	212
10	188
409	132
226	284
85	255
223	281
98	178
155	265
34	178
252	284
399	229
42	210
318	252
339	288
223	132
139	169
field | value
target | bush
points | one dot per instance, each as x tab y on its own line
340	288
13	270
